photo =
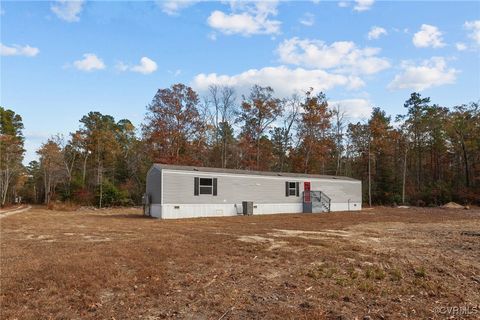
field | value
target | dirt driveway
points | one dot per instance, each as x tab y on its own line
115	264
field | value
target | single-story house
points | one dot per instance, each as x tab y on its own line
186	191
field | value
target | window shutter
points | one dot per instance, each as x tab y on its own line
196	186
297	188
214	186
286	189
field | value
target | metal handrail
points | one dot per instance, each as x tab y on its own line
321	197
324	195
328	201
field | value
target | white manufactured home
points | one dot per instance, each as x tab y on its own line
184	192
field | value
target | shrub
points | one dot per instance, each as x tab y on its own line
111	195
83	196
62	206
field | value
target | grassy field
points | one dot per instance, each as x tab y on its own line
115	264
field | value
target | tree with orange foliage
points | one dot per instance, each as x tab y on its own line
173	125
52	167
382	151
315	141
258	111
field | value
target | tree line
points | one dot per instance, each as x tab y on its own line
428	155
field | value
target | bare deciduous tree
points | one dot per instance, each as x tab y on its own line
339	123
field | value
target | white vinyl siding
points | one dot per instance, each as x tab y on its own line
235	188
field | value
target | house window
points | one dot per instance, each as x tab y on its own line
292	189
207	186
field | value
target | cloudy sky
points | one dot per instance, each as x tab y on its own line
62	59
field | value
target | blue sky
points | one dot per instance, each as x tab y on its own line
62	59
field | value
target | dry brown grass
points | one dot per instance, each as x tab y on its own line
115	264
63	206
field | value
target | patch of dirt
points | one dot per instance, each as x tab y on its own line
311	234
13	210
453	205
273	244
254	239
386	263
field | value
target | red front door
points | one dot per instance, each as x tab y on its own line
306	191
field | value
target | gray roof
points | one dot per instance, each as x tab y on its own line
250	172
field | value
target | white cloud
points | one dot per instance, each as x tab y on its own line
212	36
461	46
36	135
16	50
474	27
376	32
428	36
146	66
282	79
343	4
246	18
173	7
430	73
175	73
68	10
363	5
90	62
343	56
357	109
308	19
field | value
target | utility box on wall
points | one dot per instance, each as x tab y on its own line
247	208
146	204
